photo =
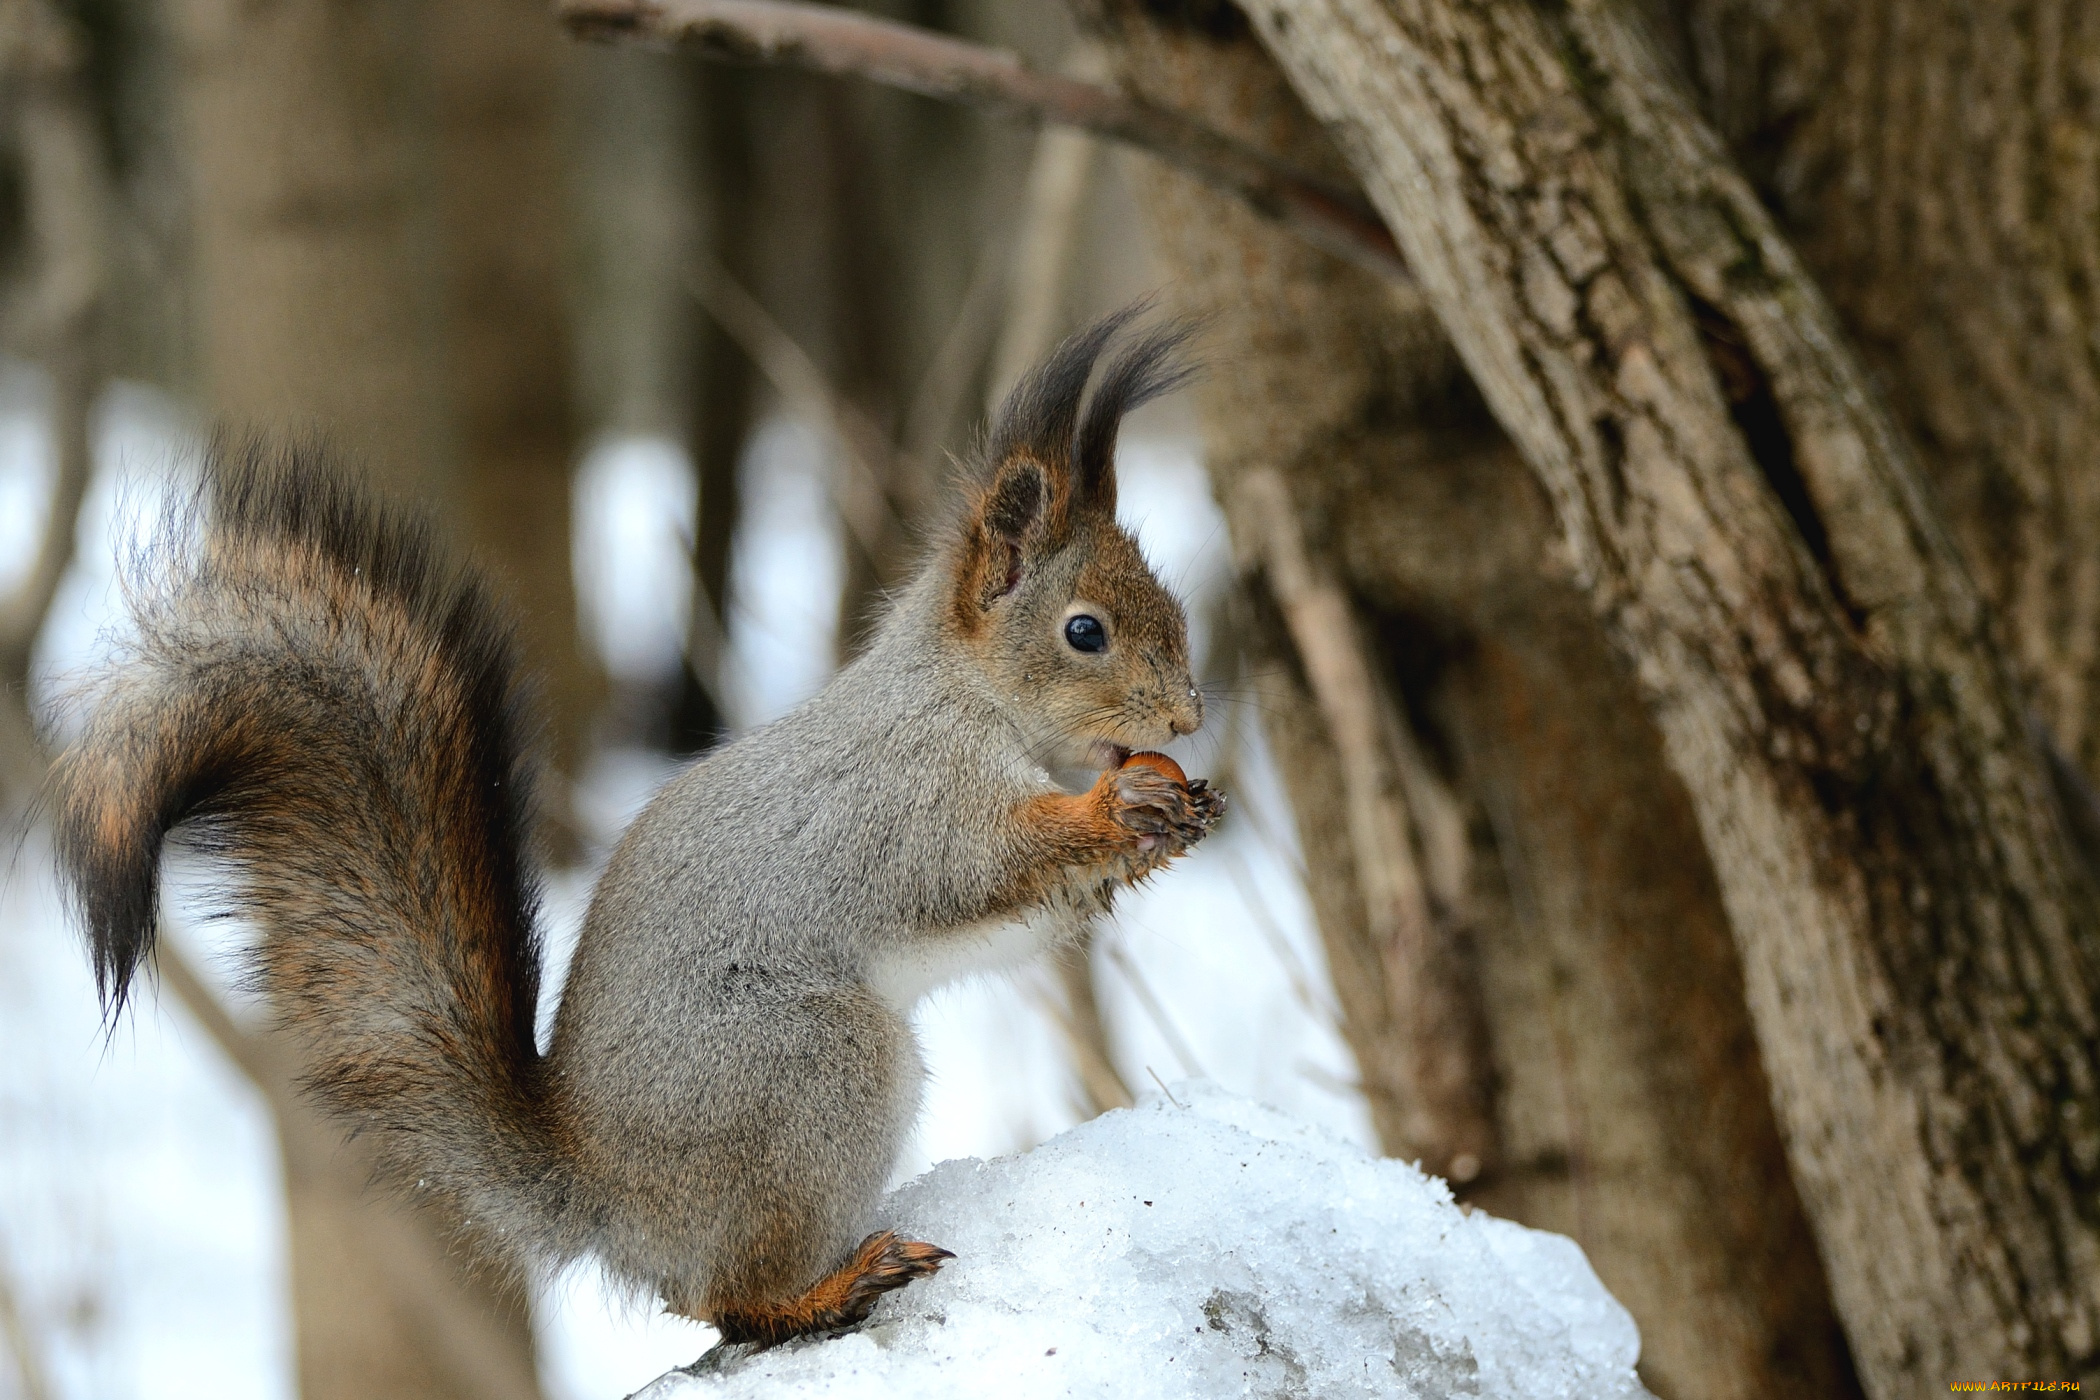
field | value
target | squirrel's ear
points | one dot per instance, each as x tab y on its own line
1013	509
1004	529
1051	467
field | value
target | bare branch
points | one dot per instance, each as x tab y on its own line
1156	1010
67	200
943	391
1402	839
1057	187
1069	996
843	43
1307	989
1059	178
863	500
706	642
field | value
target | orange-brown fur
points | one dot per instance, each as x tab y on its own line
1104	829
883	1263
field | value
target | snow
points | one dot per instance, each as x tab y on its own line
1204	1245
632	529
141	1204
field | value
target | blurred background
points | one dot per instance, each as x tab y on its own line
682	356
680	353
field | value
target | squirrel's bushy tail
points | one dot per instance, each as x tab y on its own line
316	696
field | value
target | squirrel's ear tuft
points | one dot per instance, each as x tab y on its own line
1041	418
1041	415
1050	464
1150	367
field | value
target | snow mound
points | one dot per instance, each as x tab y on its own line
1208	1246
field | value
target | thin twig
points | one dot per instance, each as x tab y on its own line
1328	1080
1059	177
1157	1010
1069	996
863	500
1086	1035
944	389
1303	987
707	651
67	196
1448	1104
841	42
1059	174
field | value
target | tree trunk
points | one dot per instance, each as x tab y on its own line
1915	936
313	279
724	397
501	202
1937	165
1628	1105
1640	1113
317	290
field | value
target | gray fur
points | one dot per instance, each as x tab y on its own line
725	990
320	698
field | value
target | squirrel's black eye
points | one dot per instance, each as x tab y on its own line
1086	633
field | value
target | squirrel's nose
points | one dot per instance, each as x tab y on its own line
1187	716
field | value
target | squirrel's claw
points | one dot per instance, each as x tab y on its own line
1163	809
883	1263
887	1262
1208	802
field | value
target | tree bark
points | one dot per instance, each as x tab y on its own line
1937	166
1915	936
1628	1104
1634	1108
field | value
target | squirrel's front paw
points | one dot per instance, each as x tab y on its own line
1208	802
1156	801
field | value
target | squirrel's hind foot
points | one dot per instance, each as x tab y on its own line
883	1262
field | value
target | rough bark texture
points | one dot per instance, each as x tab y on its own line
1629	1105
1914	934
1641	1119
1937	166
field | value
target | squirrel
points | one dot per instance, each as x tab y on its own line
318	696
